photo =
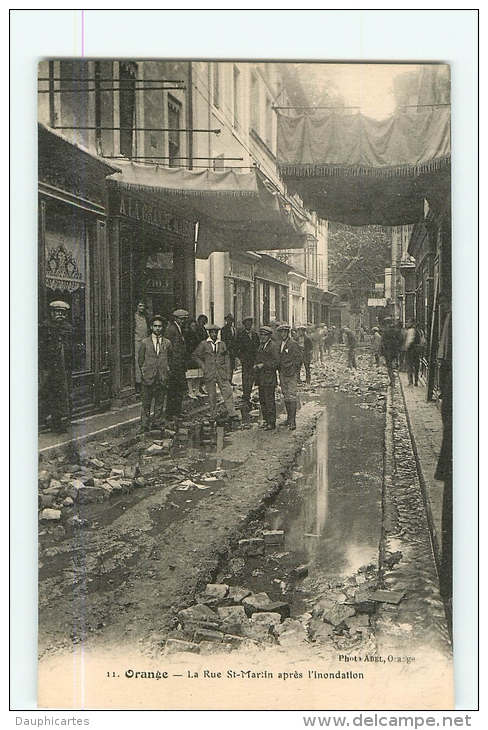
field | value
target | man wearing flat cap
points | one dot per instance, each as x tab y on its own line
289	369
55	367
247	345
267	362
212	357
177	387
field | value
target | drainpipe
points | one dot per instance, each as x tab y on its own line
189	115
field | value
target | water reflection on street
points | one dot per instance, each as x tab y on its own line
331	509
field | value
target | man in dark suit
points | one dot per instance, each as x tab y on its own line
289	368
55	367
154	359
177	388
267	362
247	345
228	335
213	358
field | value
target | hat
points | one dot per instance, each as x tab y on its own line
156	318
214	327
248	319
229	316
266	329
301	327
283	326
59	305
374	329
180	313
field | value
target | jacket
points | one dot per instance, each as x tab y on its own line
178	347
290	358
215	366
154	366
229	338
269	357
246	346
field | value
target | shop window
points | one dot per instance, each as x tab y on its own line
266	302
174	117
67	277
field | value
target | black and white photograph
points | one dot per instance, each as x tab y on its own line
245	382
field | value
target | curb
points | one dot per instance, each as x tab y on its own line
436	546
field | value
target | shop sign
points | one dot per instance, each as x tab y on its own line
137	210
273	276
296	289
157	283
240	270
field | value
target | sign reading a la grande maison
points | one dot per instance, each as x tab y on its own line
154	215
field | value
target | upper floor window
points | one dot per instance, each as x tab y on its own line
174	143
269	123
255	103
237	95
127	106
215	84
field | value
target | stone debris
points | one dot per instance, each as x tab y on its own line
298	573
50	514
252	547
173	646
215	592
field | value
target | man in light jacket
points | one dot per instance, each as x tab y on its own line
212	357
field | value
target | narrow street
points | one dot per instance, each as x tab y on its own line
315	540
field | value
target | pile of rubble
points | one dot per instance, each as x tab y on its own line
227	618
108	469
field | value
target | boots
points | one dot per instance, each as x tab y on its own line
292	415
287	406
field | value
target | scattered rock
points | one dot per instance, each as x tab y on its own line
50	514
252	547
233	619
214	592
298	573
273	537
173	646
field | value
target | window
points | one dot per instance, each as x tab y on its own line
127	106
174	116
254	103
216	85
269	123
237	93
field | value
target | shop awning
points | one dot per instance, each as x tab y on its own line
235	211
361	171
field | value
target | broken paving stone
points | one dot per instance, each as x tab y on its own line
155	449
293	638
207	635
213	647
97	463
68	502
198	614
325	604
174	646
357	624
115	485
237	594
260	602
117	473
50	514
252	547
233	618
386	596
289	624
339	613
298	573
131	471
91	495
267	619
215	592
47	500
273	537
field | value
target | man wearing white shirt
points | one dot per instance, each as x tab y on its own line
212	357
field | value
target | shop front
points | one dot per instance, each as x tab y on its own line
153	261
297	288
74	260
271	291
240	285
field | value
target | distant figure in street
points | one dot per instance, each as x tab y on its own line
331	338
306	347
193	372
141	331
414	345
266	365
317	337
155	362
351	343
228	335
177	388
391	342
375	346
289	368
56	367
247	344
213	358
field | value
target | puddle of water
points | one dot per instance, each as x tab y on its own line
330	508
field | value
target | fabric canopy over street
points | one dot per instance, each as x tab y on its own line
361	171
235	211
